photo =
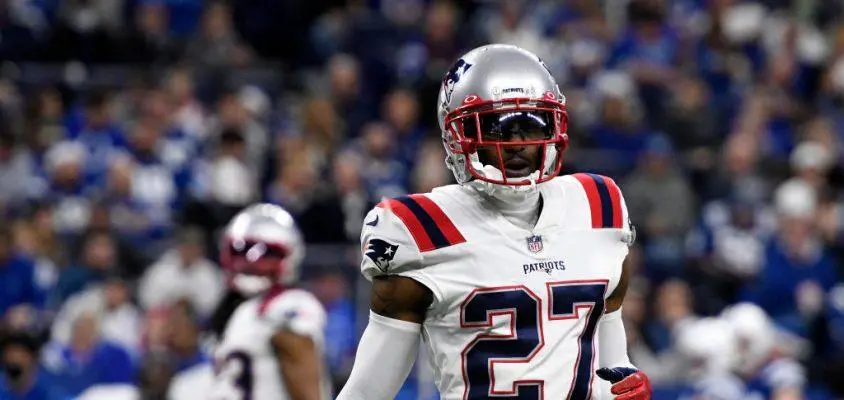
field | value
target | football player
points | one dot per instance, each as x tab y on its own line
767	373
708	352
514	277
271	348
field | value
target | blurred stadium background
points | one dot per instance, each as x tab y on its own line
132	130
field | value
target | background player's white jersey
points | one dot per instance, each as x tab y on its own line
245	361
516	312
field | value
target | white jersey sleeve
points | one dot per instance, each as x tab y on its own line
387	246
297	311
406	235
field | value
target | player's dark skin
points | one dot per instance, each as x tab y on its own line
405	299
300	365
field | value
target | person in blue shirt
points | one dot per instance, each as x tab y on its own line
92	125
87	360
21	379
18	286
98	259
798	267
183	338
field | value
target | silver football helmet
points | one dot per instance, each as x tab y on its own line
261	247
757	335
489	93
707	347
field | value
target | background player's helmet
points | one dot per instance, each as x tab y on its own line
707	347
484	91
756	335
261	247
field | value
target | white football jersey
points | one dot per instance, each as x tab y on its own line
245	361
516	311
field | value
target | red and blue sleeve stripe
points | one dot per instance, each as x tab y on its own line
604	200
430	227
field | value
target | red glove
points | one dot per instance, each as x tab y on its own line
627	383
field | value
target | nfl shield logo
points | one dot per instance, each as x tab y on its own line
534	243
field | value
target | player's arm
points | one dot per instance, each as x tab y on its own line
300	321
400	298
299	359
612	338
388	347
628	382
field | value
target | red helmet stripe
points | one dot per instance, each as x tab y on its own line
268	297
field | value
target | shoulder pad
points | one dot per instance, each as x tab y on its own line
604	203
398	232
295	310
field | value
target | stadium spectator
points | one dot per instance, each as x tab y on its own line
120	320
798	270
21	296
22	378
183	272
98	260
87	360
69	191
193	370
664	203
18	174
216	43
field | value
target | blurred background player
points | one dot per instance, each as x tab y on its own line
767	370
708	352
272	346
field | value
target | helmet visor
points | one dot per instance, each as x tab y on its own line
254	257
510	126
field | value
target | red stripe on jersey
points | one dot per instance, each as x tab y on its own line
615	199
591	189
274	292
443	222
423	241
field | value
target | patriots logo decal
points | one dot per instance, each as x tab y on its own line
380	252
453	76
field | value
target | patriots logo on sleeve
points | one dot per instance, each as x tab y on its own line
380	252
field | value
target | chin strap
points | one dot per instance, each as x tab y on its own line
509	193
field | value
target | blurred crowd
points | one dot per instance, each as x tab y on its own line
132	130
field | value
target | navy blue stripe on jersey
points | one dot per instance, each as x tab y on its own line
606	201
434	232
